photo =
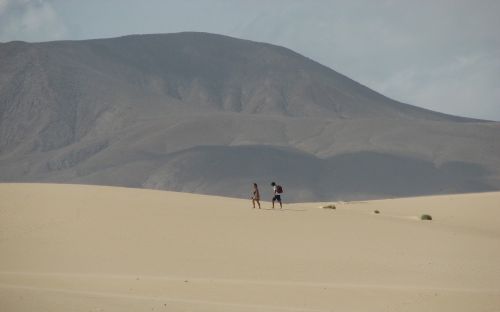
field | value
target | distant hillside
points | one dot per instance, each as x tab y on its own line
211	114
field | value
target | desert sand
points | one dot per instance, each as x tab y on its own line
94	248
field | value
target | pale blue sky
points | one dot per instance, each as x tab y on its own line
438	54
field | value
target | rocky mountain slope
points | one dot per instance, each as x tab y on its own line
206	113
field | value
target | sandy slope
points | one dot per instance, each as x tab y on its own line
89	248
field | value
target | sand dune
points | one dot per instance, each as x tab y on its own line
90	248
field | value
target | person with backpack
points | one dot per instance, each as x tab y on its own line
277	191
255	195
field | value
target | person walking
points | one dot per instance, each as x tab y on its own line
277	191
255	195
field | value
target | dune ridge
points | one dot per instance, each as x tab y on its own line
96	248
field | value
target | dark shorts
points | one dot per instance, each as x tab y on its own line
277	197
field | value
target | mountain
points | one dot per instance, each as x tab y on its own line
206	113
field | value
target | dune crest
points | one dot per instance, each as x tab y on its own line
97	248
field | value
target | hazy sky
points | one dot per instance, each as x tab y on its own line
440	54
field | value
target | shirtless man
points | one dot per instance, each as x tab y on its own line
255	195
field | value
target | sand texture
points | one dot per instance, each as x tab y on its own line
92	248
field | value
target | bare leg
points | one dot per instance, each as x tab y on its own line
273	203
253	203
281	206
258	202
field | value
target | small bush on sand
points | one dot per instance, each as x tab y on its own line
376	212
425	217
329	207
